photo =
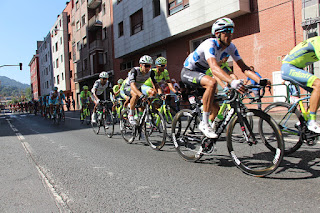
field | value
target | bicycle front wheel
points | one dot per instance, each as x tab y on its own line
186	135
155	130
108	123
248	147
290	125
127	130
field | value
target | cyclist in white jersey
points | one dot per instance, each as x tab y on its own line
136	78
97	90
208	55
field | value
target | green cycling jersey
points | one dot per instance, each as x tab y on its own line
305	53
158	77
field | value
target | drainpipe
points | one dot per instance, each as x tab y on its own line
294	24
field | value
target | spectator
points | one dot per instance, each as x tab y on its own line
255	91
73	104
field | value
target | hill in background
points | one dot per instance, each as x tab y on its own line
10	87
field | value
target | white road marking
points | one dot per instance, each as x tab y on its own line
20	136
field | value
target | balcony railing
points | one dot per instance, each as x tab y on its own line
94	23
93	4
97	44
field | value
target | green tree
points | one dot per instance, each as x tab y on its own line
28	93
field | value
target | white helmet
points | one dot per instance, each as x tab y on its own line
220	24
146	60
103	75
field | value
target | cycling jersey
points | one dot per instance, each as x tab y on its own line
115	90
99	87
135	75
85	96
210	48
158	77
304	54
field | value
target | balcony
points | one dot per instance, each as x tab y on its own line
93	4
95	45
94	24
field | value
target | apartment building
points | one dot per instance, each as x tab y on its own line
60	53
35	74
45	66
68	10
265	31
92	43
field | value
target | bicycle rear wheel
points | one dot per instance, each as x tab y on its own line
251	156
288	124
186	135
97	126
108	123
155	130
126	129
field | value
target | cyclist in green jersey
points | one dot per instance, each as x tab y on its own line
85	97
161	73
116	94
304	54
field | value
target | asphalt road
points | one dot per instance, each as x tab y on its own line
67	168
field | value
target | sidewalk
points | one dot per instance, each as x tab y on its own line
22	188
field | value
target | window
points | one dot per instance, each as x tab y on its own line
77	5
136	22
177	5
61	59
156	8
60	22
195	43
60	40
126	65
46	58
84	41
105	58
56	46
47	84
58	80
52	48
78	25
78	46
104	33
100	58
103	8
83	19
57	63
120	26
62	76
85	64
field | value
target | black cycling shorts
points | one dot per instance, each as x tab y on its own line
191	78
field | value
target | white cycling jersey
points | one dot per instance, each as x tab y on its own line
99	87
197	60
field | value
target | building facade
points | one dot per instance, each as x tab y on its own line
60	53
35	74
92	43
45	66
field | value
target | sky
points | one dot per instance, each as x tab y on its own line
22	24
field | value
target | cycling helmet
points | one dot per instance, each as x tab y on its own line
161	61
55	88
221	24
103	75
145	60
120	81
85	87
60	91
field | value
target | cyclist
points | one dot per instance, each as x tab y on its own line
161	73
207	55
97	90
62	98
116	95
136	78
53	99
304	54
85	97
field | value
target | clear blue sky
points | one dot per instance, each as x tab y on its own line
22	24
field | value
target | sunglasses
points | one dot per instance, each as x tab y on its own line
162	65
147	65
227	30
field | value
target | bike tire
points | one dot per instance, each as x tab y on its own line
126	129
96	126
291	134
88	116
155	130
187	141
255	159
109	123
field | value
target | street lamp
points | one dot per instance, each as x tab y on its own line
10	65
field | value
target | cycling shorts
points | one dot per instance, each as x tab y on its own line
191	78
145	89
297	76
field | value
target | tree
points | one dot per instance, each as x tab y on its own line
28	93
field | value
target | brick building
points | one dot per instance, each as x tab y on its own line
35	74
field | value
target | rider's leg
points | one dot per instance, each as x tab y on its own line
208	96
314	99
133	101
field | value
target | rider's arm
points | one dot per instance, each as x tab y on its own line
217	71
247	71
154	83
94	90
